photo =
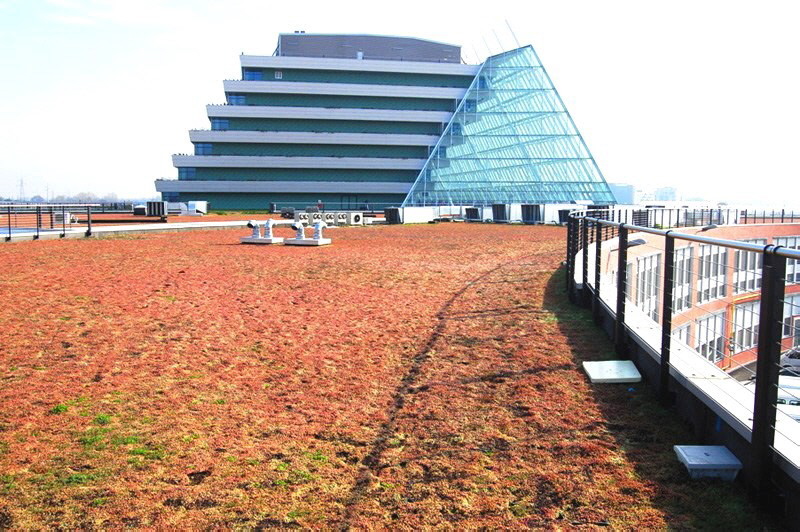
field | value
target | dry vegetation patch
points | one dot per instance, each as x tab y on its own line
404	377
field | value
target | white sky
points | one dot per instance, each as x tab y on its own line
703	95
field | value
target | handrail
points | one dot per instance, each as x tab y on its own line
735	244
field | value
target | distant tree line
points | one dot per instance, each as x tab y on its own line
81	197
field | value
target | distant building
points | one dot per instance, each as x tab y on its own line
666	194
623	194
351	120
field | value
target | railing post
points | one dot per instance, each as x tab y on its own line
570	232
666	317
574	237
38	221
585	265
767	364
598	250
622	279
8	236
63	221
89	221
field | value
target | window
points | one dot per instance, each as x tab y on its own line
711	336
792	265
712	273
203	148
745	326
628	280
648	271
237	99
682	333
747	272
682	279
220	123
187	173
278	74
252	74
791	313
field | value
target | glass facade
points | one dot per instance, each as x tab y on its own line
511	140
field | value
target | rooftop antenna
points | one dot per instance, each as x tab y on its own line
476	54
489	50
514	35
502	48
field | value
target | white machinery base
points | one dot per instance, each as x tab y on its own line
251	240
307	242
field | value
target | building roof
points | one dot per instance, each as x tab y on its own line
385	47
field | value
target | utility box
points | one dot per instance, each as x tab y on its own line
140	210
708	461
157	208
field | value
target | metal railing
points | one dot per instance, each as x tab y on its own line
37	219
727	308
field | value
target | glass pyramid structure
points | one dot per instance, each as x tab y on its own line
511	140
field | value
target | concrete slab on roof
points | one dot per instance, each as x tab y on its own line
612	371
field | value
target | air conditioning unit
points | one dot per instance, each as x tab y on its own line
355	218
341	218
329	218
472	214
300	216
314	217
157	208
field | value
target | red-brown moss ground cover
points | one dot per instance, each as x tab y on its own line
405	377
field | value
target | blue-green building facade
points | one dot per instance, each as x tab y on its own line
362	122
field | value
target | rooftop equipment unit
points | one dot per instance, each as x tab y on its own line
531	214
472	214
157	208
198	207
355	218
392	215
500	213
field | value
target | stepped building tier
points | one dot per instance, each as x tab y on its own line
365	122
